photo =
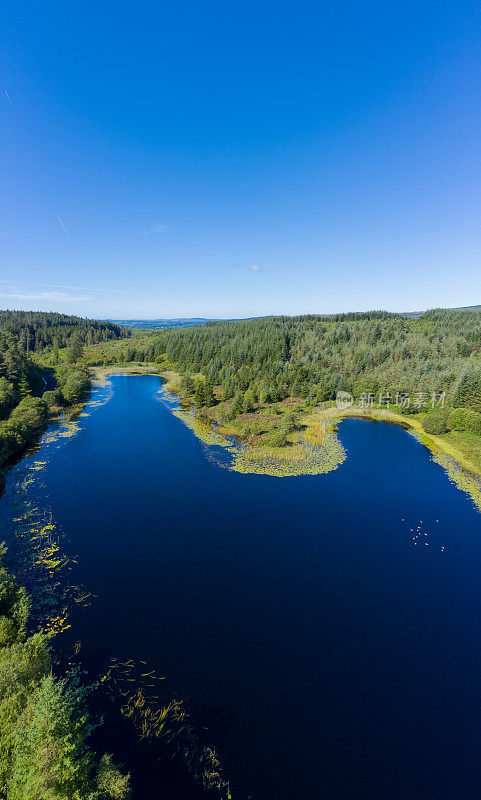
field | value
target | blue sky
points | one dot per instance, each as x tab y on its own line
220	159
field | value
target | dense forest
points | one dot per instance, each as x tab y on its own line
313	357
44	722
29	392
34	331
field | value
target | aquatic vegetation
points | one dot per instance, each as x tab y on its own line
464	480
36	540
37	545
44	721
319	451
131	684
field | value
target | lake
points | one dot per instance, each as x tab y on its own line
329	625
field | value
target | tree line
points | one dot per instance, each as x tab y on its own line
313	357
27	341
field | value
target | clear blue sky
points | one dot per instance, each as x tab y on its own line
225	159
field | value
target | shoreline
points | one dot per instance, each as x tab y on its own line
317	449
431	441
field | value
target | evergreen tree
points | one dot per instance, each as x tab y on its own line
23	386
238	404
209	397
199	394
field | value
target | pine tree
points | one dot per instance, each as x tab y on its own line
23	386
209	396
76	350
238	405
199	394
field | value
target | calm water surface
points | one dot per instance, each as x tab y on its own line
344	658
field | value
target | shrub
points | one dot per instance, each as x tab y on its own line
53	398
8	397
28	417
277	438
75	386
436	423
11	442
14	608
464	419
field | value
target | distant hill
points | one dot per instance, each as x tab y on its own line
189	322
416	314
162	323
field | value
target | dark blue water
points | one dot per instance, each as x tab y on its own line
346	659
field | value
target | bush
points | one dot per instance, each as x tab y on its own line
290	422
8	397
53	398
75	387
277	439
436	423
28	417
23	425
464	419
11	442
14	608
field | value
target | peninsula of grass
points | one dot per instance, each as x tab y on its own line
291	436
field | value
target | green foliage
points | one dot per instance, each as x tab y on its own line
29	417
54	398
30	337
23	386
436	423
187	386
74	386
238	404
23	425
464	419
199	394
8	397
209	397
111	783
467	392
313	357
290	422
14	607
249	400
277	438
39	331
76	349
44	722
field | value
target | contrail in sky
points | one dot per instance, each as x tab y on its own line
60	286
7	96
63	226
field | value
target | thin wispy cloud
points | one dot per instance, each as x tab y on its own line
14	284
7	96
63	226
54	297
252	267
159	228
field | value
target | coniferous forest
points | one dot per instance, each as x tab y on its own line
228	372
